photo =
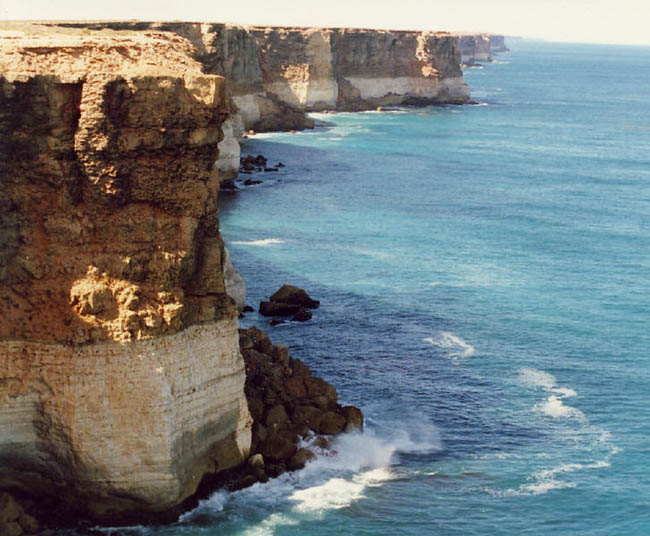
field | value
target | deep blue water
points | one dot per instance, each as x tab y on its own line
484	277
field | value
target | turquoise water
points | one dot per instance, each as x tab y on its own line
484	274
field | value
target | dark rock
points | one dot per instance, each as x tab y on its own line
295	296
268	169
309	416
280	353
28	523
302	316
276	322
275	469
244	482
251	182
299	459
245	342
354	418
260	475
278	309
256	408
9	508
472	102
259	432
322	442
279	164
261	340
228	185
299	368
10	529
296	388
319	387
321	402
332	423
277	415
248	309
277	448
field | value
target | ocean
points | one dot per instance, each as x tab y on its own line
484	278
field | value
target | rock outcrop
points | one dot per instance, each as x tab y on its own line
476	48
277	74
121	379
498	44
287	403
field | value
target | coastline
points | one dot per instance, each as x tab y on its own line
98	282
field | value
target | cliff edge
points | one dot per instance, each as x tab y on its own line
121	379
277	74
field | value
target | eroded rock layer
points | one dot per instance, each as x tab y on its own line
277	74
121	381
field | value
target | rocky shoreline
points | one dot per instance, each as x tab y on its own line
127	391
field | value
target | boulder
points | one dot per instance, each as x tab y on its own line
10	529
278	448
309	416
278	309
295	296
280	354
354	418
332	423
296	388
299	368
28	523
9	508
302	315
299	459
256	461
277	416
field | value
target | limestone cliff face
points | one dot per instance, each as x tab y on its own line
277	74
498	43
314	69
475	48
121	381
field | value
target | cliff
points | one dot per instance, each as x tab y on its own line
121	380
277	74
498	44
475	48
121	375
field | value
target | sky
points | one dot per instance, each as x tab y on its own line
586	21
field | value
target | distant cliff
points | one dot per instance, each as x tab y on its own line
121	380
277	74
476	48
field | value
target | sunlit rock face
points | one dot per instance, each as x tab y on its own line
121	381
276	74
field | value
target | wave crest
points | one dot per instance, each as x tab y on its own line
263	242
453	344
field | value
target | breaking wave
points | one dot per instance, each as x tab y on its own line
264	242
452	344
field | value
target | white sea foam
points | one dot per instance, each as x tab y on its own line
554	407
213	504
453	344
338	477
539	378
339	493
546	480
264	242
